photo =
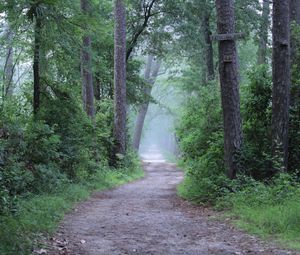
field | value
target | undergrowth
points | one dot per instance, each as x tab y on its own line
39	215
270	210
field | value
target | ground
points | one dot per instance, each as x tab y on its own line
147	217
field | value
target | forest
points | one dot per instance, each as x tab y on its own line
90	88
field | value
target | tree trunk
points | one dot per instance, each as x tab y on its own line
209	52
143	108
228	69
281	84
150	78
263	33
36	66
120	78
9	64
86	68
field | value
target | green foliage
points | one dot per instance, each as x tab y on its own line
266	209
269	207
294	122
40	214
256	110
201	143
200	121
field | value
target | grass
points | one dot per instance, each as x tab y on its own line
269	211
271	221
39	215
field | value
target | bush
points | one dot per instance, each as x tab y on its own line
200	138
256	110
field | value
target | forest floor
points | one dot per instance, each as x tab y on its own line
147	217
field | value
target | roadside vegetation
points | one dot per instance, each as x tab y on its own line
35	217
258	200
78	78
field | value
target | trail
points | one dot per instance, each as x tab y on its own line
146	217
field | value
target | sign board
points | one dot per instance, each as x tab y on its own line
227	37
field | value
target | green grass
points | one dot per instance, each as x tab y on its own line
269	211
39	215
276	221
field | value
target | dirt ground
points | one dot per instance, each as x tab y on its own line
146	217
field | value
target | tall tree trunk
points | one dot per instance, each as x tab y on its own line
144	107
36	65
209	52
281	83
9	64
150	78
120	78
86	68
228	69
263	33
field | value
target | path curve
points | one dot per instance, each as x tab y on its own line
146	217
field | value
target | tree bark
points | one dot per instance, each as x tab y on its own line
36	65
209	52
228	69
281	84
86	68
120	78
263	34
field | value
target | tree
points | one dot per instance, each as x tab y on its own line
263	33
209	52
36	60
151	73
9	63
86	68
120	78
281	84
228	69
144	16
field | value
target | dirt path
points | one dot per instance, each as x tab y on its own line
146	217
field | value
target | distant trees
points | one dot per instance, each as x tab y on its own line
264	33
151	73
208	49
281	84
9	63
120	105
86	67
228	69
294	20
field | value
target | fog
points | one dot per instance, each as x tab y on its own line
158	138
